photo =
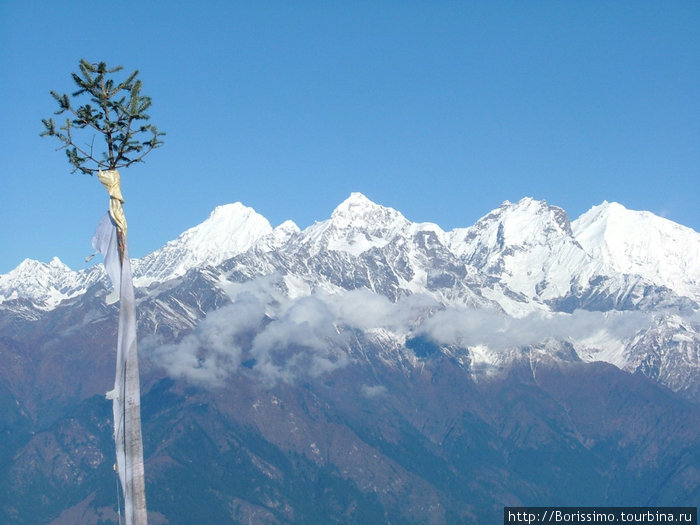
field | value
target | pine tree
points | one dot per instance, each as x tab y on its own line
114	110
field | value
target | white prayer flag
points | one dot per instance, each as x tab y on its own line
126	397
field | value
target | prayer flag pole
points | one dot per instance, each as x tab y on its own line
116	110
126	398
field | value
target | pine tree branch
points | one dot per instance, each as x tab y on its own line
86	155
113	118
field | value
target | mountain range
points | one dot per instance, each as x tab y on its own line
366	369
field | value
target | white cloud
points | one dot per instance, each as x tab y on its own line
372	391
287	339
366	310
303	340
498	331
213	351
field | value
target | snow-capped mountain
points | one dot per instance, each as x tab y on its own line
44	285
358	225
644	244
354	227
365	245
529	248
521	260
230	229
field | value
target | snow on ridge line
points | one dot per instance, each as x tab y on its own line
235	228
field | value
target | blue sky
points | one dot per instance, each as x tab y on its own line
442	110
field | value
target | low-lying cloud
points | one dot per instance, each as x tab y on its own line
265	333
468	327
214	349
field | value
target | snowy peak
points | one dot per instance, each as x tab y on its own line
355	226
39	270
278	237
510	227
529	222
528	246
44	284
357	211
356	205
641	243
236	225
356	202
36	274
285	230
230	229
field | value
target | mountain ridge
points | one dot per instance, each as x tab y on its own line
233	229
521	265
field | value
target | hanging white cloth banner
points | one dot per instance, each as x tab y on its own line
105	242
110	240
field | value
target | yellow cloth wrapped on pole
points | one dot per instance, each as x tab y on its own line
111	180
